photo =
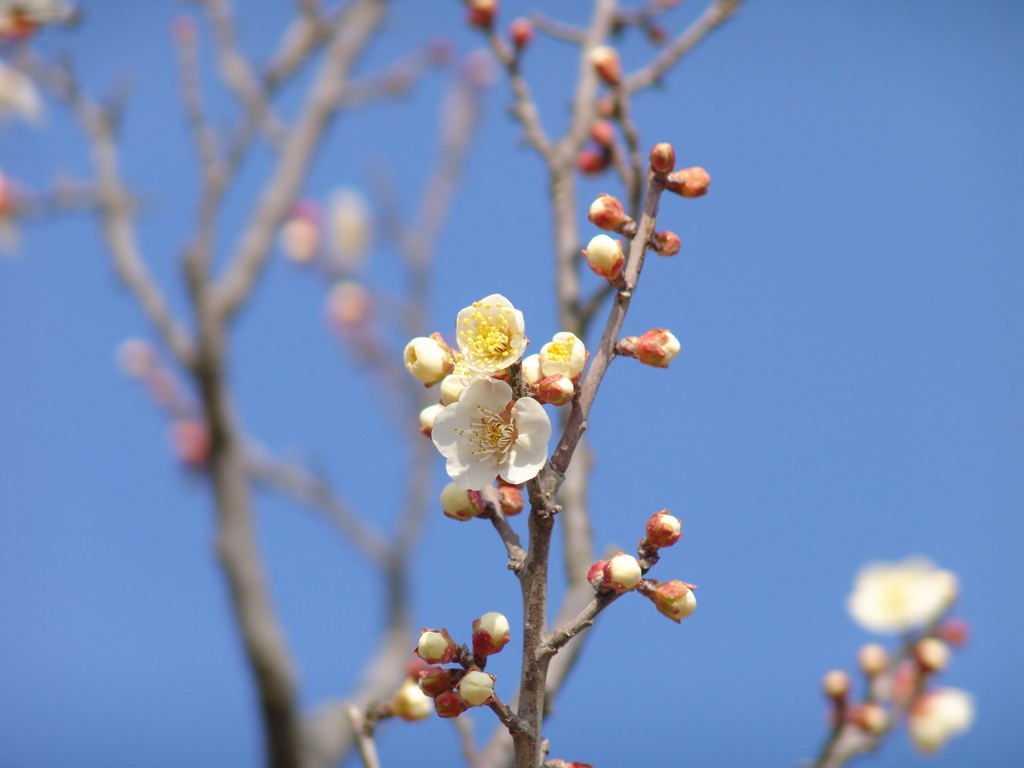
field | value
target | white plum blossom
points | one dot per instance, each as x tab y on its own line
487	434
564	354
490	334
19	96
892	598
939	715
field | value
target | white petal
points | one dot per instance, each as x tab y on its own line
492	394
530	452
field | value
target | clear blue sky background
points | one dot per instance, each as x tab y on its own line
849	304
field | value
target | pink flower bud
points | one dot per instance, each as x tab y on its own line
436	646
476	688
449	704
873	659
689	182
605	256
932	654
606	213
663	158
300	234
593	160
954	631
554	390
511	500
622	573
596	574
191	440
663	530
675	599
521	33
869	717
459	504
605	61
603	133
409	703
427	416
657	348
490	634
836	684
434	681
665	243
482	12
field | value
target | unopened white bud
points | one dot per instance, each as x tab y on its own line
873	659
427	416
531	369
555	390
436	646
428	359
410	703
451	388
564	354
622	573
605	257
932	654
835	684
459	504
490	633
476	688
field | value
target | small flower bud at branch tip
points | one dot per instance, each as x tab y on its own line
932	654
657	348
436	646
603	133
511	499
555	390
622	573
689	182
490	634
836	684
459	504
593	160
482	12
428	359
606	213
605	61
663	530
434	681
663	158
476	688
873	659
605	256
521	33
449	704
427	416
665	243
410	703
675	599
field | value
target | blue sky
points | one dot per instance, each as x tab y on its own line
848	300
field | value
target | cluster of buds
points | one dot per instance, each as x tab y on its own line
657	348
454	690
553	373
689	182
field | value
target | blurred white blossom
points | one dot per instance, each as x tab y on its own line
891	598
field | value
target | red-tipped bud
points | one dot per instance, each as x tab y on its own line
675	599
621	573
606	213
596	574
476	688
481	13
554	390
459	504
663	158
932	654
605	61
689	182
605	256
434	681
665	243
436	646
873	659
663	530
593	160
191	440
836	684
427	416
603	133
449	704
490	634
869	717
954	631
521	33
511	500
657	348
409	703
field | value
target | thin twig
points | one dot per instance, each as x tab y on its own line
525	108
364	740
559	30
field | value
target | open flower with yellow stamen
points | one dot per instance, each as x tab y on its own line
490	334
564	354
487	434
891	598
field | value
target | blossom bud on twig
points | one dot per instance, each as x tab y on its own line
521	33
511	499
459	504
593	160
490	633
932	654
409	703
476	688
449	704
954	630
836	684
427	416
605	256
482	12
606	213
689	182
663	158
603	133
663	530
873	659
675	599
436	646
665	243
605	61
621	573
554	390
191	440
596	574
531	369
657	348
300	235
869	717
428	359
434	681
564	354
